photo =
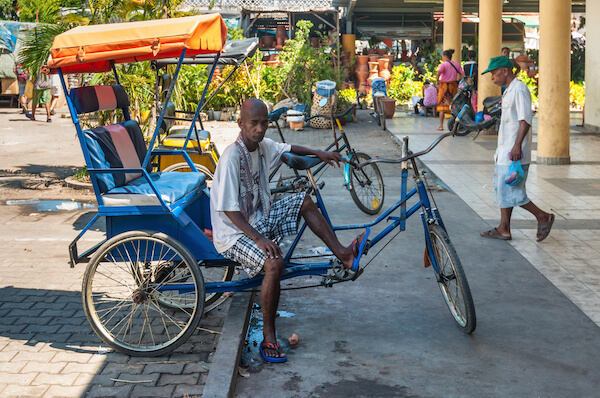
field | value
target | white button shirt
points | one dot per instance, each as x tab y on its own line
516	106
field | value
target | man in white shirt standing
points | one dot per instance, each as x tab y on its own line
514	143
245	224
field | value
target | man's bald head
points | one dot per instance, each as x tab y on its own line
252	107
253	122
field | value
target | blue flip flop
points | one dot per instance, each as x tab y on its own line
358	251
271	346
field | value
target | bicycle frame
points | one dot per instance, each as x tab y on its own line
292	269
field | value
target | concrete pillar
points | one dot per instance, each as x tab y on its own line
555	75
490	44
592	72
453	27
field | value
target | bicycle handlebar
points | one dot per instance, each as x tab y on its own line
410	154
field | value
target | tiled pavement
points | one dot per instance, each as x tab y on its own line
47	347
569	256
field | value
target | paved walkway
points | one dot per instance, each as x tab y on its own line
569	256
389	334
47	346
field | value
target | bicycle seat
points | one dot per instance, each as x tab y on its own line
299	162
274	116
490	101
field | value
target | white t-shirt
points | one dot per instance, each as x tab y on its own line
225	190
516	106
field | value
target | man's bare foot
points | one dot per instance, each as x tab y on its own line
271	352
352	251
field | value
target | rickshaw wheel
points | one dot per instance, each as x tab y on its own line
143	293
183	167
210	275
216	274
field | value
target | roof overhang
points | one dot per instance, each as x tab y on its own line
419	6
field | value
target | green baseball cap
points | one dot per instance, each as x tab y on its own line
499	62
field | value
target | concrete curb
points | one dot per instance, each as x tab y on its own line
73	183
222	376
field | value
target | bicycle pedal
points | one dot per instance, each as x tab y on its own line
326	282
341	273
358	273
367	247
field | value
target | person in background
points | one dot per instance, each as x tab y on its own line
448	75
506	52
429	99
471	69
514	143
41	96
54	92
22	81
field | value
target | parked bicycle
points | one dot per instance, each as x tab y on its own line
364	184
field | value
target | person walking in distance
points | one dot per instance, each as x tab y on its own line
514	143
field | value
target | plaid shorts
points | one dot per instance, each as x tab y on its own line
282	221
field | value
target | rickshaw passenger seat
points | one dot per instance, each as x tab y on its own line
99	98
122	145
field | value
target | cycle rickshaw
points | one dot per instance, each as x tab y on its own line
147	285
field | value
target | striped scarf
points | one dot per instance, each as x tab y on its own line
247	182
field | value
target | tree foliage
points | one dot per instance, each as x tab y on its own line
43	11
8	10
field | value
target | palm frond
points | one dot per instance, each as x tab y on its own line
36	46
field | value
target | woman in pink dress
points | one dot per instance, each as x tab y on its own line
448	75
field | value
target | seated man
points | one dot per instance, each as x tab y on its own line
245	224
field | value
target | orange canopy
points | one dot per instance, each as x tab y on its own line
90	48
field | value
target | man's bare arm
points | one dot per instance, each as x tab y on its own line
516	152
269	248
332	158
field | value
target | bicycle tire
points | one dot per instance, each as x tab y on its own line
461	131
366	184
381	113
124	296
452	280
213	300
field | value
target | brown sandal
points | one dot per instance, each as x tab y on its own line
543	229
494	234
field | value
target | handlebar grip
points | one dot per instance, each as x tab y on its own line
462	113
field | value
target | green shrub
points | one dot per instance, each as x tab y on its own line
532	85
403	84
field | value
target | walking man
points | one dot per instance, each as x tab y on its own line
514	143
